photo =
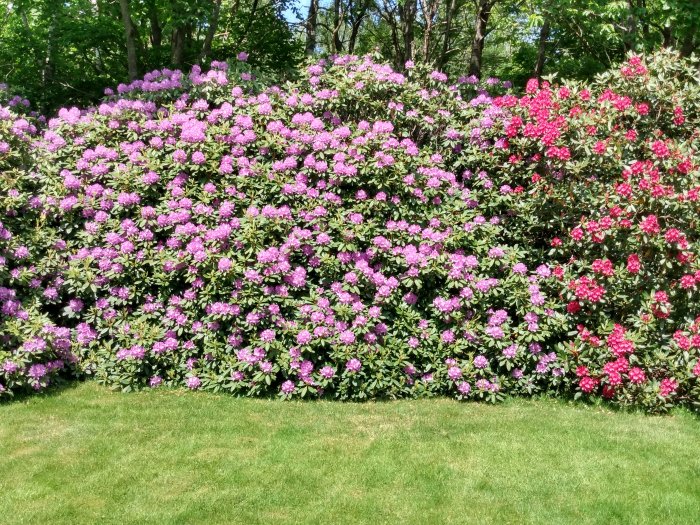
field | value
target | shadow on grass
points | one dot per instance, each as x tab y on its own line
56	389
565	400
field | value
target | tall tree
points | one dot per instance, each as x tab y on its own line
131	38
156	36
49	68
178	37
211	31
429	10
451	7
338	21
356	14
542	48
408	10
311	27
481	20
630	25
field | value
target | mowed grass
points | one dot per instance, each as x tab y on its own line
89	455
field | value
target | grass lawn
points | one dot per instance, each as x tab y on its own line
88	455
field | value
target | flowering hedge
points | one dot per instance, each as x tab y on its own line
33	349
359	233
611	176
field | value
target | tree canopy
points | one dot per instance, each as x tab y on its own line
62	52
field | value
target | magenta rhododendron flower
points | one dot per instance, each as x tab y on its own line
481	361
354	365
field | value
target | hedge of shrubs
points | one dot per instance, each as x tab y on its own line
359	233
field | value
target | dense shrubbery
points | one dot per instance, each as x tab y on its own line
358	234
612	183
32	348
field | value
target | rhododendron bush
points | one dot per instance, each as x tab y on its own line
359	233
33	349
610	171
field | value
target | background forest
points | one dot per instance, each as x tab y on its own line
64	52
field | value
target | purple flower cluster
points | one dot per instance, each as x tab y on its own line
204	233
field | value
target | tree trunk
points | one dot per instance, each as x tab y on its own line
211	31
450	9
337	23
130	34
407	16
398	53
355	18
25	22
156	29
354	31
630	27
483	12
429	9
311	25
542	49
690	42
667	34
49	59
178	36
177	47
